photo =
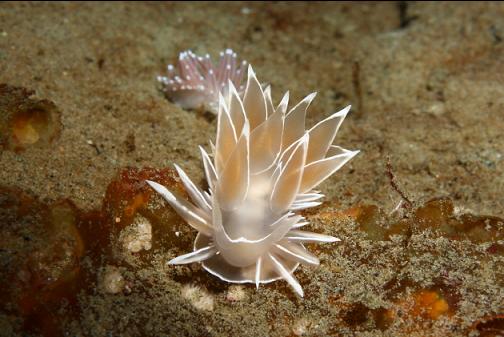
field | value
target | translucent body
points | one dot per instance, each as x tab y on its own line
265	166
196	82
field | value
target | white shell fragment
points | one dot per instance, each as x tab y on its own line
264	169
195	82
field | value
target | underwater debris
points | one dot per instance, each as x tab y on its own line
51	253
302	326
26	121
112	280
198	297
265	168
490	326
195	82
137	236
128	195
236	293
429	304
40	253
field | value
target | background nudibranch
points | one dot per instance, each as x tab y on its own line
195	82
264	169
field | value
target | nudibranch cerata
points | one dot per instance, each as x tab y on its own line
195	82
265	168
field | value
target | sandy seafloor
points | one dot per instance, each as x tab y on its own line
426	81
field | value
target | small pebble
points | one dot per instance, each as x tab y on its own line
198	297
112	281
235	293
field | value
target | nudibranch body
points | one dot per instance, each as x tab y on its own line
195	82
264	169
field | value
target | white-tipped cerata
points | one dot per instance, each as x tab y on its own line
195	82
196	256
265	167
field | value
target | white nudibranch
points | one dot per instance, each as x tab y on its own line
264	169
195	82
